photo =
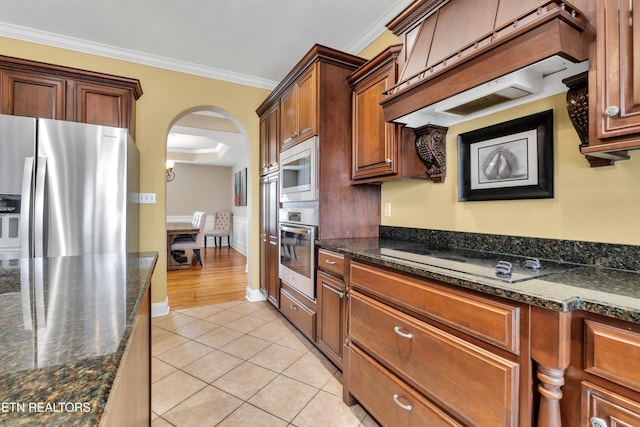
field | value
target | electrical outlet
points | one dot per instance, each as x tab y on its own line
387	209
147	198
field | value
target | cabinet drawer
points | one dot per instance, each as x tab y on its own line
388	399
299	314
493	322
612	353
474	385
331	262
611	408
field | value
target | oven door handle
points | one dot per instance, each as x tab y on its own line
295	230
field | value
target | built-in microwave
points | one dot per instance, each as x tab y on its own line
299	172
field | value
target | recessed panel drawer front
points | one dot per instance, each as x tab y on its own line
493	322
331	262
474	385
612	353
388	399
299	315
608	407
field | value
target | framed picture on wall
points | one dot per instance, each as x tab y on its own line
240	188
510	160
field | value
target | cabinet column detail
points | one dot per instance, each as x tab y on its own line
551	348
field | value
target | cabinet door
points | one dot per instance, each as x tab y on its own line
264	143
307	104
269	253
103	105
618	69
273	137
374	140
331	316
289	115
29	94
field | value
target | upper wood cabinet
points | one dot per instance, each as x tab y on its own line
299	109
381	151
270	139
614	82
29	88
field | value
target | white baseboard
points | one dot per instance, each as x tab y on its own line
255	295
159	309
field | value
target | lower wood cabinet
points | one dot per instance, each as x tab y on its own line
331	293
300	314
129	402
421	354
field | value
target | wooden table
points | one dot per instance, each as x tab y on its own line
174	229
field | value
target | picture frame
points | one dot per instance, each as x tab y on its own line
240	188
507	161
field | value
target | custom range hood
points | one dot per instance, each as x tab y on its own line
464	58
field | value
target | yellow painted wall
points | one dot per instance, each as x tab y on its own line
590	204
166	95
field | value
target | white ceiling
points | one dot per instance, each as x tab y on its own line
250	42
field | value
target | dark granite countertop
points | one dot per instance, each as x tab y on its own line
602	290
64	325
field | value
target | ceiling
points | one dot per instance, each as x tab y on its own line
249	42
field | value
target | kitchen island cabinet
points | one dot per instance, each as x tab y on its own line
76	334
561	349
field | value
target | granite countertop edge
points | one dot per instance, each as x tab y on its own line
581	289
91	379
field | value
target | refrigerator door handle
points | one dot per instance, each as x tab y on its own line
25	208
38	208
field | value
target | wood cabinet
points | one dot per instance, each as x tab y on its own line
332	297
129	400
614	81
269	247
270	140
29	88
457	357
301	315
381	151
603	381
299	109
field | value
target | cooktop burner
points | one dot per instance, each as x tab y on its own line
510	268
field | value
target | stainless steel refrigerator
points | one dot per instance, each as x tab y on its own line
66	188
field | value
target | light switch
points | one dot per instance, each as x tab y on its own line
387	209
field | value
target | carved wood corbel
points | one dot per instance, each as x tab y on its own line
431	148
578	108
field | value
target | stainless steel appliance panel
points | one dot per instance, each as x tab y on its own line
17	142
86	185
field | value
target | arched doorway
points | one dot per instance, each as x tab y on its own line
210	154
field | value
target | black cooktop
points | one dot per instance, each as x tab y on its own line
509	268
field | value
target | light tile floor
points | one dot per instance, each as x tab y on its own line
242	364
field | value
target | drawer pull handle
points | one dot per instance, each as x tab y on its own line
402	334
293	307
597	422
330	262
400	404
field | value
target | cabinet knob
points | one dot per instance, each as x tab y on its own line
397	330
612	111
597	422
396	399
388	161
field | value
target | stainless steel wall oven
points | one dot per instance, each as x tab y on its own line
297	228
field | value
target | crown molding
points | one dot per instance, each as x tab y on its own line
376	29
79	45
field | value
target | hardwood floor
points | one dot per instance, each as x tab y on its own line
222	278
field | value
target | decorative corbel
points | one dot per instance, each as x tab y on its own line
578	108
431	149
